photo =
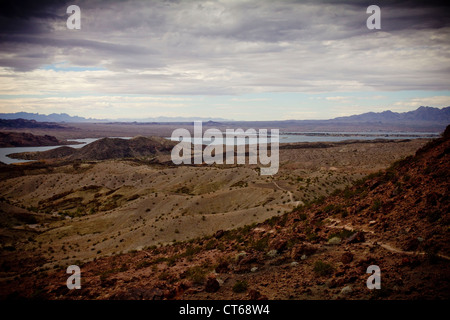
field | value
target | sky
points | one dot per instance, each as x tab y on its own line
231	59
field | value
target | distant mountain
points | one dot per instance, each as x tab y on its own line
421	114
64	117
171	119
54	117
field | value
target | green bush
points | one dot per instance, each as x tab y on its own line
322	268
240	286
261	244
190	251
211	244
197	274
143	264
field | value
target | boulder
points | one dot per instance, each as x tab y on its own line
212	285
347	257
223	267
334	240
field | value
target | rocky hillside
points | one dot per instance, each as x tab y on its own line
115	148
58	153
106	148
23	123
24	139
397	219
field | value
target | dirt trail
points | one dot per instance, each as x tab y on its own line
291	198
384	245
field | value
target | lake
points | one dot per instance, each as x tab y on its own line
288	137
291	137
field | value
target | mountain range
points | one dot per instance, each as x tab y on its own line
422	114
64	117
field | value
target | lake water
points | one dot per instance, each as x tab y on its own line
8	160
290	137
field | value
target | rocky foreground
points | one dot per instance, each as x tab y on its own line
397	219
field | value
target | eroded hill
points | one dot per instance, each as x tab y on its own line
106	148
24	139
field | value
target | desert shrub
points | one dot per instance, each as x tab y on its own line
159	260
283	220
320	200
272	221
172	260
240	286
335	209
143	264
183	189
261	244
211	244
164	276
292	242
246	229
377	204
197	274
322	268
104	275
312	236
390	175
190	251
343	234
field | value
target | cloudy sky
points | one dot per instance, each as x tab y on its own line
233	59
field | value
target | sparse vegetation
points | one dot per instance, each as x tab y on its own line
197	274
240	286
261	244
377	204
322	268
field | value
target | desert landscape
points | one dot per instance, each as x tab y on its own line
130	218
224	158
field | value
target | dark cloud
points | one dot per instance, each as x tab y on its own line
233	46
29	9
